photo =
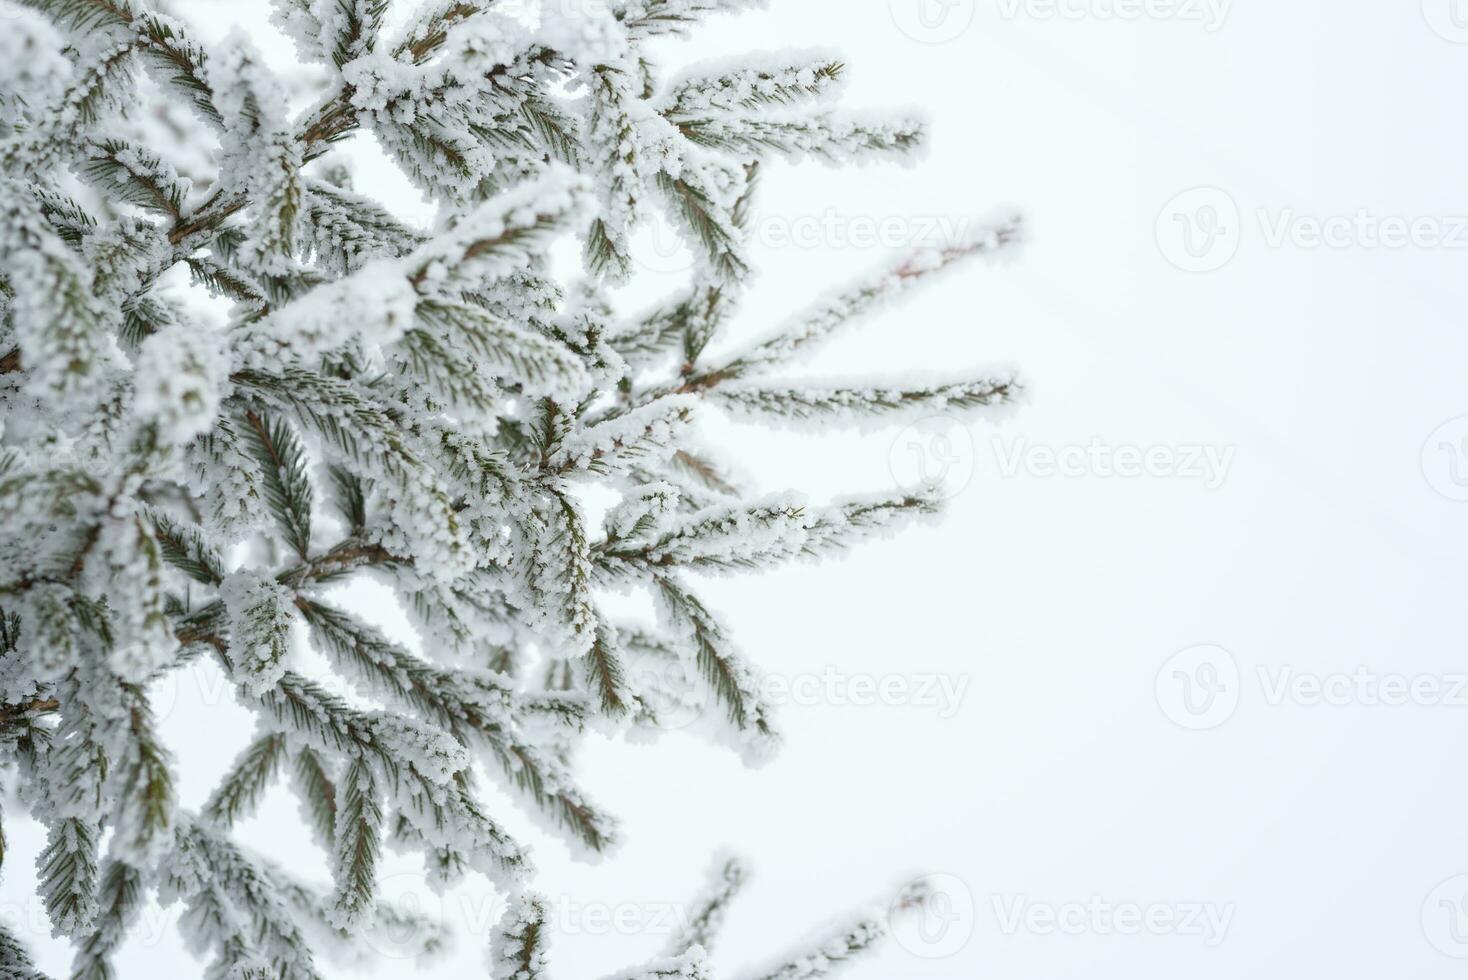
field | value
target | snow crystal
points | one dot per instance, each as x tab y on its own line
33	71
375	306
583	30
180	378
688	966
649	433
259	612
435	755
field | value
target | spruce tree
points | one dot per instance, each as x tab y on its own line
225	393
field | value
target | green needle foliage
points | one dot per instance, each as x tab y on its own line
233	383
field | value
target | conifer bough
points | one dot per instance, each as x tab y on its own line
229	380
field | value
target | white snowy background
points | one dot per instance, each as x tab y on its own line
1095	795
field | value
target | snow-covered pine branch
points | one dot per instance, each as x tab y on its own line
231	380
520	949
